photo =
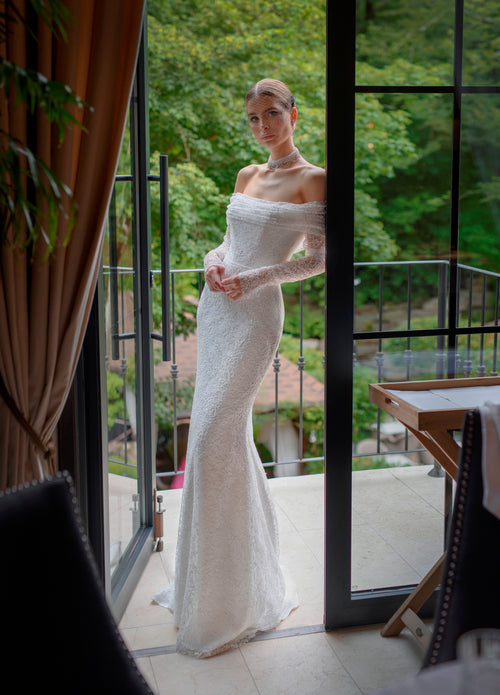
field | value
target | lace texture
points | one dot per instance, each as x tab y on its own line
229	584
304	223
216	256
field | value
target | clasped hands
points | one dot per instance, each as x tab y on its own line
217	282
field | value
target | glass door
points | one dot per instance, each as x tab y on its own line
412	293
128	346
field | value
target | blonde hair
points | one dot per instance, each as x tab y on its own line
272	88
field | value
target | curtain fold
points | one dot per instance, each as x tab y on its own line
45	304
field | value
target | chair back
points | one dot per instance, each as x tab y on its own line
59	635
469	595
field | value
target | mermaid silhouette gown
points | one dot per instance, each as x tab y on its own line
228	581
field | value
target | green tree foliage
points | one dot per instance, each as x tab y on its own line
364	411
203	56
412	44
116	406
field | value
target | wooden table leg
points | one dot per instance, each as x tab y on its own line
406	615
442	446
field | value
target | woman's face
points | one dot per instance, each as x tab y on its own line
270	121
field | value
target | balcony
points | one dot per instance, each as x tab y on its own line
397	511
391	343
397	536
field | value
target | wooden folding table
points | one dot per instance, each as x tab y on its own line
431	411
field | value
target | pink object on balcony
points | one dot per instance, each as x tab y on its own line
178	480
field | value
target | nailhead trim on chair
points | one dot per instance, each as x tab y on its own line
454	544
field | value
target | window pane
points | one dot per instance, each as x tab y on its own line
481	64
402	206
403	165
401	43
479	245
123	478
480	182
398	492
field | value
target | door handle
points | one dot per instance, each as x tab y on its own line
165	262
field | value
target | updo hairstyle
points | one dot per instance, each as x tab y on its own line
272	88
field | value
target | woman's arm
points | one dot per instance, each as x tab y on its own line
213	265
313	263
313	188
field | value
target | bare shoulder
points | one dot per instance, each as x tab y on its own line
244	176
314	183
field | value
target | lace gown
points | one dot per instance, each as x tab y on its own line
228	581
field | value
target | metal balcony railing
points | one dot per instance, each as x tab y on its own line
389	349
426	345
117	279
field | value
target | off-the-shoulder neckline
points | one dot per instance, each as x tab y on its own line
280	202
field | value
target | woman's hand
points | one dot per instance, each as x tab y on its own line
232	287
214	275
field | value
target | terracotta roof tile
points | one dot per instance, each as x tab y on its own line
288	377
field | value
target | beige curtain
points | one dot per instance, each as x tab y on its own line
44	305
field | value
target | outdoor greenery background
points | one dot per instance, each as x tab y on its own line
204	55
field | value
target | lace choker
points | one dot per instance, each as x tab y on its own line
283	162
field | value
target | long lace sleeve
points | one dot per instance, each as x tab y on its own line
312	263
216	256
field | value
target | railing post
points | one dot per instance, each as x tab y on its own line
495	338
441	319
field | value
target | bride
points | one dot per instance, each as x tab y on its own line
228	581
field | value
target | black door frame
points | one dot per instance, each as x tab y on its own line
138	552
83	446
343	607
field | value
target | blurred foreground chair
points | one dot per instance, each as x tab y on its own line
469	594
58	633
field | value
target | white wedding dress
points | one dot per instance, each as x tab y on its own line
228	580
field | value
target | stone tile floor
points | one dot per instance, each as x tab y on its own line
397	536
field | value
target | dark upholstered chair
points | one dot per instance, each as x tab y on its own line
469	594
58	634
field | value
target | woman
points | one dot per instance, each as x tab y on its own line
228	581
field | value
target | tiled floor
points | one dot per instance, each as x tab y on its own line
397	536
347	662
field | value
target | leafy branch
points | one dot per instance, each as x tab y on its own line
53	12
38	214
33	89
33	199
